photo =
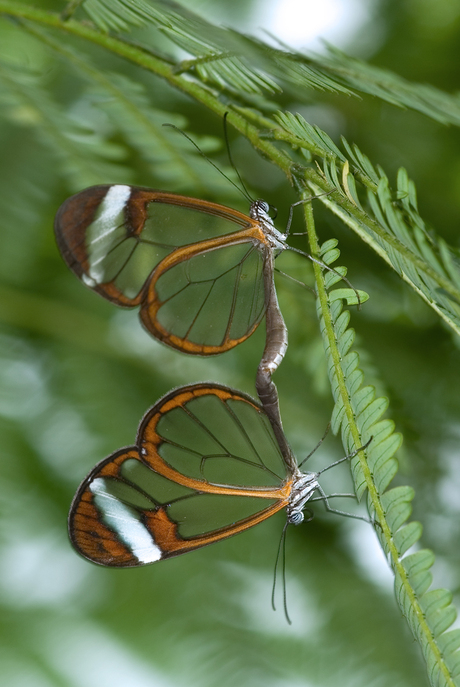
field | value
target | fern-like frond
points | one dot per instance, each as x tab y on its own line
248	65
222	56
244	65
229	71
319	141
336	71
390	222
120	15
388	86
358	415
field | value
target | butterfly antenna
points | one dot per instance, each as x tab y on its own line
244	193
275	571
229	153
286	613
317	445
281	553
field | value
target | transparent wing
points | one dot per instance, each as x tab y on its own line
206	466
209	302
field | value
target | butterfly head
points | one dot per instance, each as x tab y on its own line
260	212
304	486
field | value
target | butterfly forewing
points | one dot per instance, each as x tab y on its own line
99	521
194	267
219	439
206	466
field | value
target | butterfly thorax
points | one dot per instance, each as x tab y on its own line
259	211
303	488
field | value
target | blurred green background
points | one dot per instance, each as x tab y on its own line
76	376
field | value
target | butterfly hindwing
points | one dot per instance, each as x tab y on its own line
209	302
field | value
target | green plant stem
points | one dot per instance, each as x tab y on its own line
374	497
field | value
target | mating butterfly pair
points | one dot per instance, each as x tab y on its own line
209	462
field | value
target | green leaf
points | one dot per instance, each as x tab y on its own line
350	296
407	536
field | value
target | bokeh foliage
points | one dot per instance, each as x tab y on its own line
76	376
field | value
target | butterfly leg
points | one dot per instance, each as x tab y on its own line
324	497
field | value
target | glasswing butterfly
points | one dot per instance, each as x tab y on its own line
200	272
206	465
